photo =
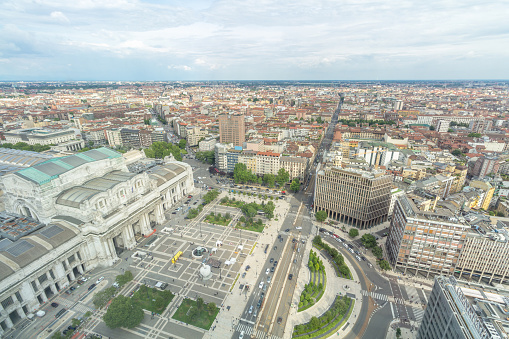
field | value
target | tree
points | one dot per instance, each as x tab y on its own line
200	303
456	152
282	177
398	333
211	307
259	180
321	216
182	143
431	128
75	322
384	265
368	240
450	130
146	121
377	252
123	279
314	322
122	312
295	185
353	232
474	135
269	179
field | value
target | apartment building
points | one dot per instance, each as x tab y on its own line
232	129
267	163
114	138
295	166
194	134
485	165
488	190
438	184
356	197
207	144
424	242
480	126
248	158
130	138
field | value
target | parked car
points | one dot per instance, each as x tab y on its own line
279	320
54	305
99	280
91	287
290	276
271	260
247	268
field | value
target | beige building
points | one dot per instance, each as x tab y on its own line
194	134
41	136
355	197
114	138
267	163
295	166
232	129
485	186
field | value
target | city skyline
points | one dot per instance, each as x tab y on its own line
223	40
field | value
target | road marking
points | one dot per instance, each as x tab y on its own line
392	311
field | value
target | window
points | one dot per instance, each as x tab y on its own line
7	302
18	296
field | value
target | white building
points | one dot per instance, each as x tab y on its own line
68	215
41	136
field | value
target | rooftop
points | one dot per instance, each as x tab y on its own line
48	170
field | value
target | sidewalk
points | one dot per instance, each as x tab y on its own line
226	321
405	332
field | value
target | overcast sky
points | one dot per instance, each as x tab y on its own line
253	39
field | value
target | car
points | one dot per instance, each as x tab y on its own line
116	285
244	275
275	263
241	335
290	276
293	241
298	228
279	320
54	305
271	260
173	212
294	261
267	271
280	239
99	280
72	288
269	278
251	309
59	314
72	328
287	230
68	292
272	269
247	268
322	230
261	284
275	248
91	287
64	332
189	196
303	241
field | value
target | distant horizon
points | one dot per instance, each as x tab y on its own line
265	80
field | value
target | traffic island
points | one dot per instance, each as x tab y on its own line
327	323
196	313
313	291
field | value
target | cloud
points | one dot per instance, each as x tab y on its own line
180	67
264	39
59	17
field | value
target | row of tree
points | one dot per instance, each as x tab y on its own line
208	157
23	146
161	149
242	175
369	241
334	254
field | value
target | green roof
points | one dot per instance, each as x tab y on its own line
46	171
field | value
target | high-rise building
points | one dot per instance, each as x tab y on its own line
356	197
458	312
232	129
424	242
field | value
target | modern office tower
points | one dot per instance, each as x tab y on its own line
484	166
458	312
355	197
232	129
424	242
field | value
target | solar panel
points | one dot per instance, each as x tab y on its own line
19	248
51	231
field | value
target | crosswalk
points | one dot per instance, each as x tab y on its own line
412	293
375	295
78	307
418	313
249	330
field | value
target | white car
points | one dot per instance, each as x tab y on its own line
241	336
251	310
99	280
298	228
267	271
261	285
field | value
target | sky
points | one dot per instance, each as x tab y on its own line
253	40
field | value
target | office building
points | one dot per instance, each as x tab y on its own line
66	216
232	129
356	197
459	312
424	242
130	138
480	126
